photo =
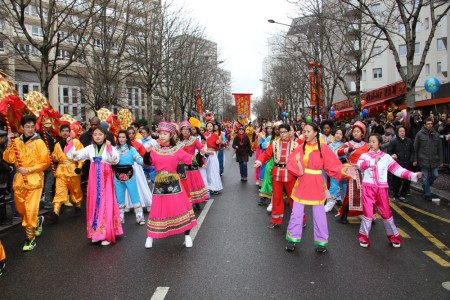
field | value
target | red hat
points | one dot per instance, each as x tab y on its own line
166	126
185	123
360	125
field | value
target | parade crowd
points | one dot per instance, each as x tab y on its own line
174	168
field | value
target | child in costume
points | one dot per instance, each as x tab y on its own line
376	164
171	211
102	211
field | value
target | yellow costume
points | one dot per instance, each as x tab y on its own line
34	157
249	131
66	178
2	252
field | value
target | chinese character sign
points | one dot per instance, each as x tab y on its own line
243	109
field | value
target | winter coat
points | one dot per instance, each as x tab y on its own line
404	149
243	148
428	149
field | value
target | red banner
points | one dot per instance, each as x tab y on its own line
243	109
199	104
312	81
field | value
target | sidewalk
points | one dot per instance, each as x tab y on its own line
440	188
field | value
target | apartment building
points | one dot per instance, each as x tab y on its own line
69	91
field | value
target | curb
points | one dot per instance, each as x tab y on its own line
443	195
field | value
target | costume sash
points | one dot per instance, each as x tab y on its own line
355	192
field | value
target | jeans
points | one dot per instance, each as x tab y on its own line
429	175
243	168
220	157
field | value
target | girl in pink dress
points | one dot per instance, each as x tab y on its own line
171	211
102	211
197	189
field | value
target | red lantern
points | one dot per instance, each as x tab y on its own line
363	102
384	107
337	113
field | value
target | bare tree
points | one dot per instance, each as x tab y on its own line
107	57
398	19
57	40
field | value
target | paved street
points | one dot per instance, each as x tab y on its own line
235	257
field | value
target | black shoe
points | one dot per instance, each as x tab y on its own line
321	249
273	226
52	217
427	198
197	206
344	219
262	201
77	211
339	202
290	246
2	267
403	199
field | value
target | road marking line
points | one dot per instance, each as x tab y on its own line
422	230
437	258
160	293
200	219
425	212
403	234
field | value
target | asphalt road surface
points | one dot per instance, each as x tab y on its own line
234	257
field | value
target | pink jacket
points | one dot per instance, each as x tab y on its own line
376	173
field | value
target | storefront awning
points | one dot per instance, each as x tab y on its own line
433	102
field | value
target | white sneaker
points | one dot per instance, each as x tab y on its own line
330	204
95	241
148	208
188	241
149	243
269	208
105	243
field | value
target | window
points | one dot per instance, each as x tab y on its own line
427	69
443	22
136	102
376	51
416	48
418	26
375	31
402	49
97	42
439	67
37	31
377	73
65	95
25	87
427	23
442	44
364	75
376	8
69	100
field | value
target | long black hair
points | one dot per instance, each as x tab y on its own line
127	136
315	127
199	133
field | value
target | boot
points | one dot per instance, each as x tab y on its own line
139	215
344	215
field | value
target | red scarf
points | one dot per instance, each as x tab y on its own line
241	136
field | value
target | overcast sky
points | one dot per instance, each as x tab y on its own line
240	29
